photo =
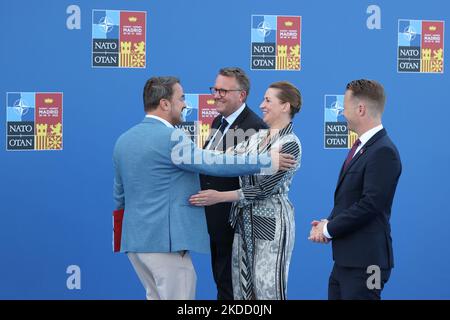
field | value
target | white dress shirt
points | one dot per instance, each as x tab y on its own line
230	119
366	136
167	123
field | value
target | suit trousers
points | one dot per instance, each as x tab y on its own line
221	252
348	283
165	276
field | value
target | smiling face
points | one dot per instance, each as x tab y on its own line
232	100
177	104
273	108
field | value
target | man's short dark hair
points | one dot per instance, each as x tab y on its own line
369	89
240	76
157	88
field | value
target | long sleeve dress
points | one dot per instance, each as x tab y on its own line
264	223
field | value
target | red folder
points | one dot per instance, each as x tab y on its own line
117	228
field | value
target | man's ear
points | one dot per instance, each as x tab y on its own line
243	95
362	109
164	104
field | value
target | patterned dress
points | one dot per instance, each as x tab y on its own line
264	223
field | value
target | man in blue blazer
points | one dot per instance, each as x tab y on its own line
358	225
156	171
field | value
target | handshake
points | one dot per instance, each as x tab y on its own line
316	233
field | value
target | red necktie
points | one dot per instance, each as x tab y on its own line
351	153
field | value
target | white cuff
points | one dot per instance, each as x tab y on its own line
325	231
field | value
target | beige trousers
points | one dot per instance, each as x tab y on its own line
165	276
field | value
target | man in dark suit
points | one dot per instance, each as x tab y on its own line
234	124
358	225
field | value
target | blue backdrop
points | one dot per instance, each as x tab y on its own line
56	205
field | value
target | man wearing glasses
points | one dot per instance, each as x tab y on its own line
230	92
156	171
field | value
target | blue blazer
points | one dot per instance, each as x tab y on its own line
156	171
359	222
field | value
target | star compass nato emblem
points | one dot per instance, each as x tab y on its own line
275	42
34	121
119	39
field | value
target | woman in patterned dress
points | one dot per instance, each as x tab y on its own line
262	215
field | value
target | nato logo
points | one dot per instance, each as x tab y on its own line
336	131
420	46
118	38
105	38
275	42
33	121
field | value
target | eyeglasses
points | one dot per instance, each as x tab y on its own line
221	92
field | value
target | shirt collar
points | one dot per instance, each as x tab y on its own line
167	123
232	117
366	136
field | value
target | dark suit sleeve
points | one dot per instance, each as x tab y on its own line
265	187
380	180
